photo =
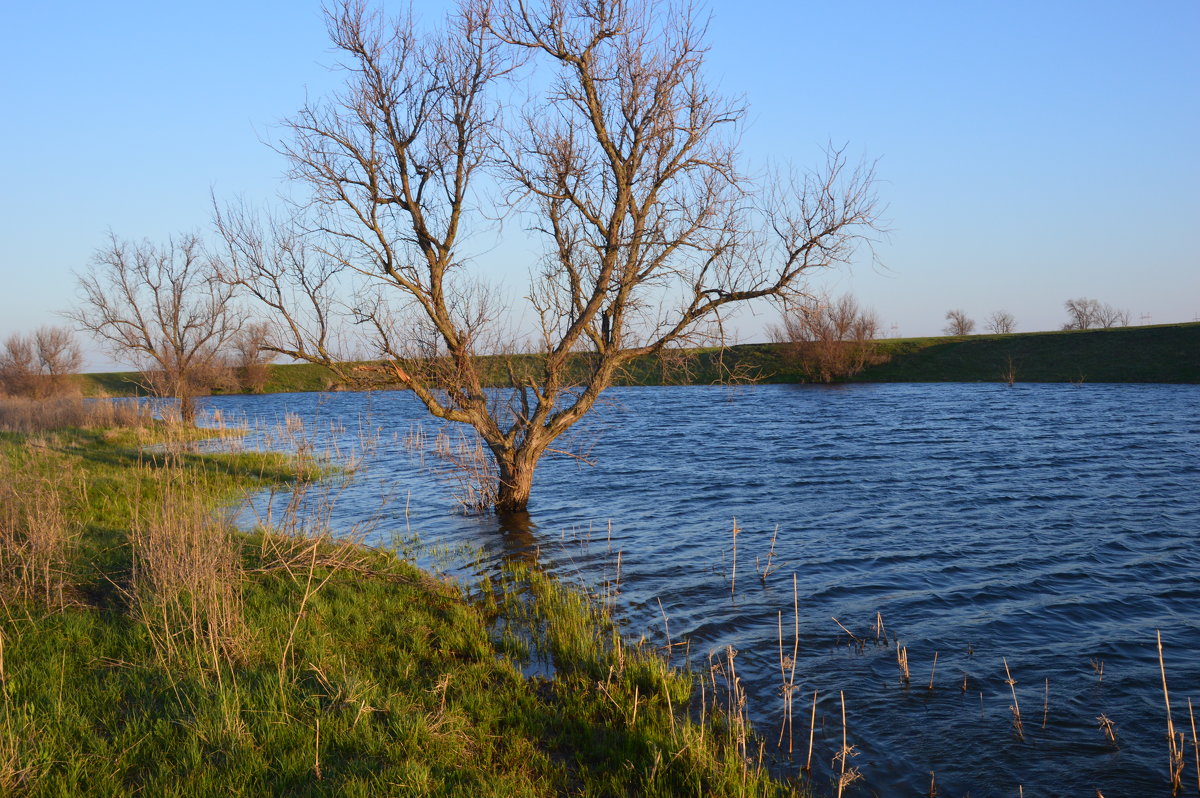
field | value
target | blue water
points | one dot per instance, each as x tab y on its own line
1045	525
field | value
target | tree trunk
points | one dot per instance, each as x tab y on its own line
187	408
515	480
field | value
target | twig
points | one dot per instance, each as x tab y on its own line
766	571
847	631
666	628
581	458
1108	727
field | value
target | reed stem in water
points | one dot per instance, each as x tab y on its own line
1016	707
812	730
1195	745
1176	756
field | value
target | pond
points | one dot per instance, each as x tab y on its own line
1050	528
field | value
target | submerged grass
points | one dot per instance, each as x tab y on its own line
158	651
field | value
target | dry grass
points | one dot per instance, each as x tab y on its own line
460	459
37	536
19	414
187	580
1108	727
902	662
15	776
470	467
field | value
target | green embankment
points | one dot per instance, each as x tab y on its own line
1160	353
149	650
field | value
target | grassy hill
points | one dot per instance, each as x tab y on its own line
1159	353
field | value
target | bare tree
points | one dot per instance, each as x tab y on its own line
249	358
959	323
17	366
1088	314
40	365
1001	322
625	165
829	338
159	310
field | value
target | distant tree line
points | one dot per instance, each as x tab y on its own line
40	365
160	310
1090	314
1082	314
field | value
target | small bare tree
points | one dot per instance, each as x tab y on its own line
1001	322
623	162
18	366
249	358
1088	314
40	365
160	310
959	323
829	339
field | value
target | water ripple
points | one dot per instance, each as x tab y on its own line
1049	525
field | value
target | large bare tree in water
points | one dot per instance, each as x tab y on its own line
623	160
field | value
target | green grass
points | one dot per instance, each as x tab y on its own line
1161	353
354	674
281	378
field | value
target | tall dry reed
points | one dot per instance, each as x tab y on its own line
38	539
19	414
1016	705
846	775
1174	741
186	585
461	460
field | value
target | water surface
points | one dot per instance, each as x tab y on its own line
1047	525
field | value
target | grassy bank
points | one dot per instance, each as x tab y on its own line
1164	353
148	647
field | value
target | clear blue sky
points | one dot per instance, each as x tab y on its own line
1028	152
